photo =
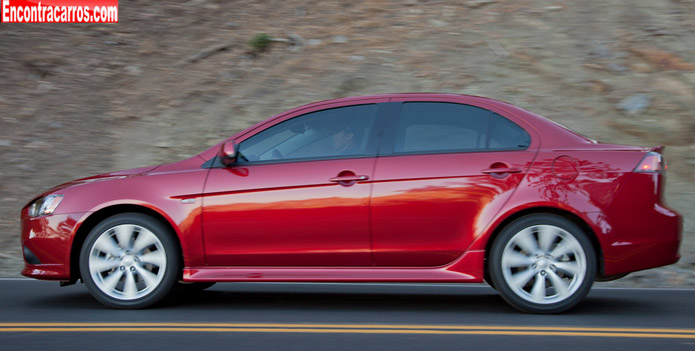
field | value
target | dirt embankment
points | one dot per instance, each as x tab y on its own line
170	80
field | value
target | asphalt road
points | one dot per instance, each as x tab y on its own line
37	315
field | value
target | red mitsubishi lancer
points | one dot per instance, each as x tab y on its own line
385	188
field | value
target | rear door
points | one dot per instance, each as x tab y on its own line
444	170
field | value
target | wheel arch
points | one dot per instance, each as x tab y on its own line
97	217
576	219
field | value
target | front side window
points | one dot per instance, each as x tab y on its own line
435	127
333	133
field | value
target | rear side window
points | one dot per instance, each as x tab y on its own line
436	127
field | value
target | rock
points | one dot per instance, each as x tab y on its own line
357	58
634	104
553	8
351	86
102	72
27	112
438	23
592	66
297	42
339	39
599	86
26	167
314	42
45	87
476	4
133	70
656	31
601	51
498	49
37	144
232	25
55	124
5	142
674	87
617	68
664	59
640	67
32	76
690	77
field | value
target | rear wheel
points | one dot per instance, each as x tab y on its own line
542	264
129	261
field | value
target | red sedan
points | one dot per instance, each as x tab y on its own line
386	188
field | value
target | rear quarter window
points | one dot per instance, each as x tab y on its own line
506	135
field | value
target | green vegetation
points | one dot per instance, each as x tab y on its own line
260	42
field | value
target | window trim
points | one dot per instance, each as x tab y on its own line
371	149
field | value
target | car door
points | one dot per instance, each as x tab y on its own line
298	194
444	170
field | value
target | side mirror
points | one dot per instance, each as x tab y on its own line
227	153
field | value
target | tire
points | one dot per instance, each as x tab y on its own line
130	261
542	264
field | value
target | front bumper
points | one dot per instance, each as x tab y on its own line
46	244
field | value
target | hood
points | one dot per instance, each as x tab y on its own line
102	177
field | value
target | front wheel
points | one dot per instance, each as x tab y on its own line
129	261
542	264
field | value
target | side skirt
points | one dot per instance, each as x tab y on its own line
467	269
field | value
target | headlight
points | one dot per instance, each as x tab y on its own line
45	205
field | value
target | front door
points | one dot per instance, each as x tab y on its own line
298	196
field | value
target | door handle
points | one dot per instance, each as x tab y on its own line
349	178
501	170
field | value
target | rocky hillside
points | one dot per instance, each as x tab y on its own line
173	78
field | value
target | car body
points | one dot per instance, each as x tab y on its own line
384	188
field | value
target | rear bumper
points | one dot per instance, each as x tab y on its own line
657	244
636	231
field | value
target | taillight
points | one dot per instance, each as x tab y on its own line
652	162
